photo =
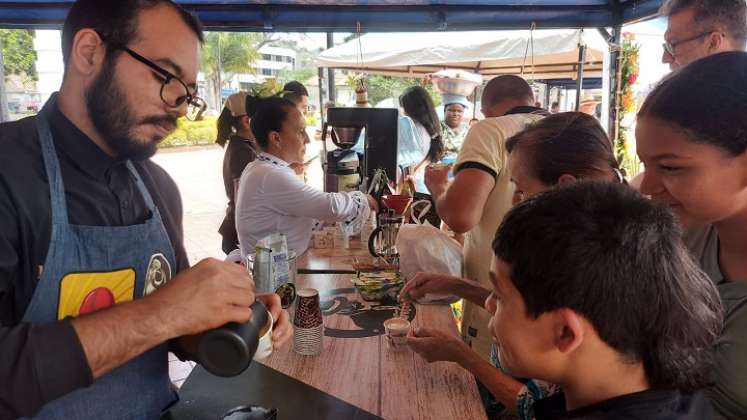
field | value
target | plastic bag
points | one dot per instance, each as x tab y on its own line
423	247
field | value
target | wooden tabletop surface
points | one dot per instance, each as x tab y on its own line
393	383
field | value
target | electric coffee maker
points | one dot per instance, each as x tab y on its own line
345	168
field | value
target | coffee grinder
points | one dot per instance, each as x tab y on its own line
377	129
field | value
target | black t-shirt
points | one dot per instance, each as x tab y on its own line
239	153
653	404
42	362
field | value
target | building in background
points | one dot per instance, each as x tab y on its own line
273	60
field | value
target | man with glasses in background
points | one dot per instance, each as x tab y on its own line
95	285
699	28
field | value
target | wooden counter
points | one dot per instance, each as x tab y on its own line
359	367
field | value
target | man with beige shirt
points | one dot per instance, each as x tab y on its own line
481	192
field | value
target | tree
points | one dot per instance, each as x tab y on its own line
302	75
305	67
383	87
17	57
18	52
228	53
3	100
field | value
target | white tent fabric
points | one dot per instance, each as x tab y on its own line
489	53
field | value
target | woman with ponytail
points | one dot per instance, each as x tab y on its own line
420	138
234	129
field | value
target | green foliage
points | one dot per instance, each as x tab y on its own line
191	133
226	53
311	119
18	51
383	87
233	52
301	75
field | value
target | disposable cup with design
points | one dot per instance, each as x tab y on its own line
396	331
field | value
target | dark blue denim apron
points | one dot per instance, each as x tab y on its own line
92	267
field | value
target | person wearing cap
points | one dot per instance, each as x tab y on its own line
453	128
234	130
589	104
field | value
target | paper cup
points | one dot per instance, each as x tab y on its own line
396	331
264	347
308	341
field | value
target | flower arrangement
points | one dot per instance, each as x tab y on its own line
629	72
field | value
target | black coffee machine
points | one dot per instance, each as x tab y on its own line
377	128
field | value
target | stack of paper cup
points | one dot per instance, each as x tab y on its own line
309	327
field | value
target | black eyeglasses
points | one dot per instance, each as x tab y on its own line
174	92
669	47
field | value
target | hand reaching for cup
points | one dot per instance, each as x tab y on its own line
436	346
434	283
282	329
298	167
372	203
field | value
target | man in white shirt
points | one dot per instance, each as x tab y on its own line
481	192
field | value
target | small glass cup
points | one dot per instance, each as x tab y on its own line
396	331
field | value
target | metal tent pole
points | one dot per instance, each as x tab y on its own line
331	72
615	75
580	81
322	113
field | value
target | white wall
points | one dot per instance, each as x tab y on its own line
49	65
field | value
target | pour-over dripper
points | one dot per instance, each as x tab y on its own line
397	202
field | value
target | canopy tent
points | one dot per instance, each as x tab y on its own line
373	15
378	16
542	54
589	83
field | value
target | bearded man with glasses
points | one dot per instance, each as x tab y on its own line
699	28
95	284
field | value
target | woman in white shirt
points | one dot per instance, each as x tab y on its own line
271	196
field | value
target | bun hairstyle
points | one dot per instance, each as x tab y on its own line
418	105
269	115
707	99
571	143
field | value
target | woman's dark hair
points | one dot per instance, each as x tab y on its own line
270	114
616	258
707	100
294	90
419	106
114	20
227	124
571	143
